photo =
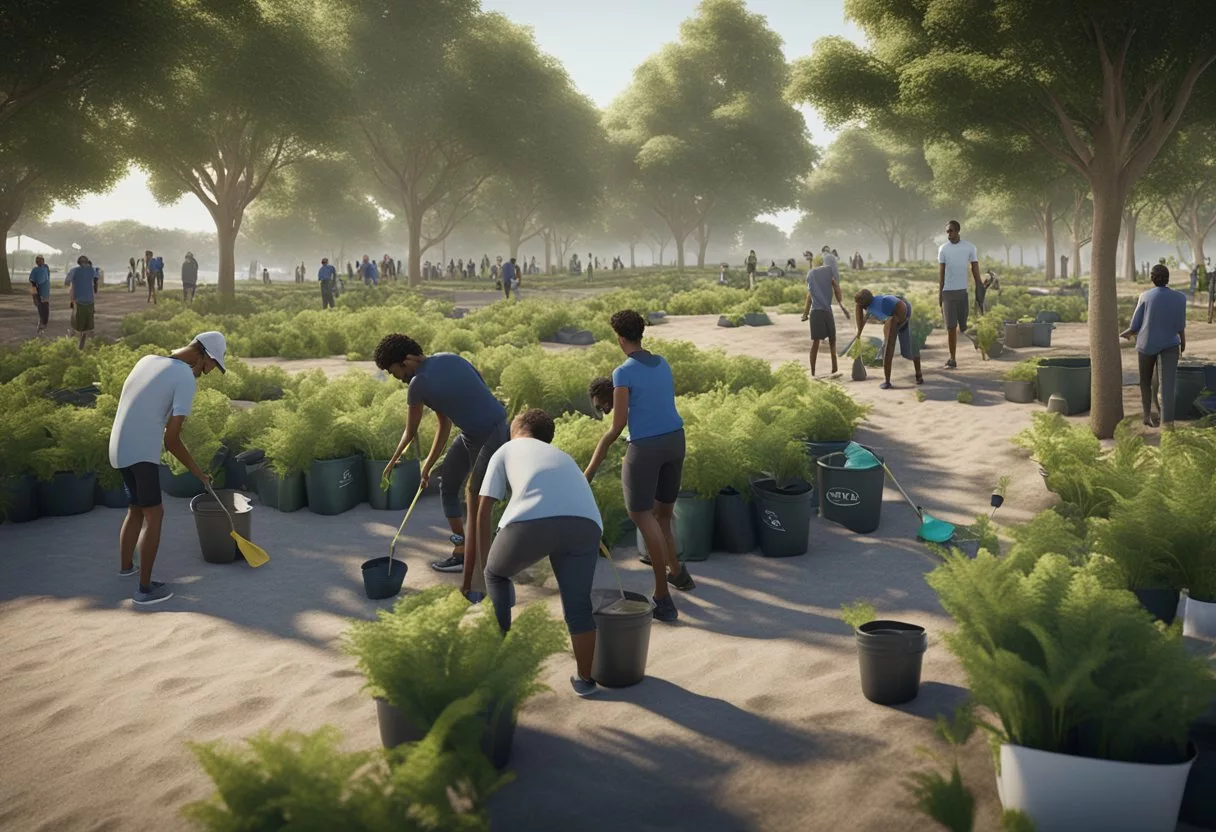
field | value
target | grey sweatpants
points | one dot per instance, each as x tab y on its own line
467	458
572	544
1168	360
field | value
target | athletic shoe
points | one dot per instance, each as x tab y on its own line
683	581
134	570
156	593
920	379
951	364
886	385
584	687
665	609
455	563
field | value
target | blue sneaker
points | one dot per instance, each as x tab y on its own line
584	687
665	609
156	593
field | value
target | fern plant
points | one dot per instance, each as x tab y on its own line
433	648
79	439
203	430
1027	370
857	613
986	335
1068	662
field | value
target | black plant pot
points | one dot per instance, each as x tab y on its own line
379	581
734	526
1162	603
497	737
66	493
890	654
1199	800
22	498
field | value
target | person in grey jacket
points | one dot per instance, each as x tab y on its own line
1159	327
189	277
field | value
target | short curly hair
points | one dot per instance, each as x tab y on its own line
629	325
538	423
600	387
394	349
863	298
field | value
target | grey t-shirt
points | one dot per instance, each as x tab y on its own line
819	285
448	384
1159	318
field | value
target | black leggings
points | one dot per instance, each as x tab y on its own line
1169	365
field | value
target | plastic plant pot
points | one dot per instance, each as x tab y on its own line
734	527
1161	602
724	321
214	531
1041	334
890	654
66	493
22	498
379	582
498	734
851	497
756	319
622	640
112	498
1068	378
1189	382
186	485
784	516
335	485
1047	317
403	484
284	494
1199	800
1198	618
1019	392
693	524
1019	335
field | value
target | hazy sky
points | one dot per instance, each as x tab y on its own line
600	45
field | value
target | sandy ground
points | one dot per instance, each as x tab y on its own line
751	715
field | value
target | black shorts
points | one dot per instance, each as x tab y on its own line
823	324
651	470
142	484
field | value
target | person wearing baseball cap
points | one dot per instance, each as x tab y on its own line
156	398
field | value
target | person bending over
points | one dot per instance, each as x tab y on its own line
896	315
552	512
452	387
644	399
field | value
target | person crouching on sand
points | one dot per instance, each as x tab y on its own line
551	512
896	315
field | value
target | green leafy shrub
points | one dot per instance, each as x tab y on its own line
25	416
1048	532
987	335
1027	370
1069	663
203	430
79	442
433	648
965	396
858	613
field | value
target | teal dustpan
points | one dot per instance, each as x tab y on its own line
931	529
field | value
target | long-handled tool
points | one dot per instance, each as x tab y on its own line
931	529
608	555
392	548
254	555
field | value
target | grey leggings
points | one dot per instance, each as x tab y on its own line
1168	359
467	458
572	544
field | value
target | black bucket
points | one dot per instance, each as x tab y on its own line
851	497
622	641
66	493
497	733
890	654
1188	385
21	498
734	529
1162	603
1199	800
378	582
784	515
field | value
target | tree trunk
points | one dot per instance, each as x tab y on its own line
703	234
1129	244
1021	255
903	255
227	224
1106	398
1075	259
1008	258
513	242
548	251
1196	247
414	227
6	281
632	246
1049	243
680	253
891	247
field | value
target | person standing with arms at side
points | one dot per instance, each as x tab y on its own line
81	298
368	272
149	270
751	269
156	398
326	276
1211	274
189	277
509	276
40	289
266	276
644	400
517	280
821	284
452	387
158	268
955	258
1158	325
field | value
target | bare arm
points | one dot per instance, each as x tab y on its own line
806	307
860	316
941	281
975	273
839	297
620	418
441	441
175	446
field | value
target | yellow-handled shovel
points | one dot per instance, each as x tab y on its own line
254	555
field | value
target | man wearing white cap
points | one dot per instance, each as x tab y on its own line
156	399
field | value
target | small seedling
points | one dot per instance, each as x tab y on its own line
920	395
857	613
964	396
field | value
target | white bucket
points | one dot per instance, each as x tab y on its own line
1198	617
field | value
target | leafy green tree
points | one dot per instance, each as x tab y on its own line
1099	85
1184	182
769	242
707	123
232	118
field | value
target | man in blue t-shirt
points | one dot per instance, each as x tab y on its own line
326	276
896	314
451	387
40	289
80	295
509	277
367	270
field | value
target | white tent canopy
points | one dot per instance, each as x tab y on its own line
28	243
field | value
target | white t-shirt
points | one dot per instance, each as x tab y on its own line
157	389
545	482
958	258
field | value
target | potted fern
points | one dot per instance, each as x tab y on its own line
201	433
23	422
1019	381
1091	701
433	648
67	468
889	653
376	430
988	338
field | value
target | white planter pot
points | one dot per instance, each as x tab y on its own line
1198	617
1063	793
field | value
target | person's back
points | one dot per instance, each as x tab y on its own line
819	286
158	388
652	395
544	482
882	307
1162	315
449	384
189	272
508	272
81	281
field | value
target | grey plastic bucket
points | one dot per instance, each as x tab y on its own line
851	497
622	640
815	450
1019	392
1042	334
890	654
784	517
335	485
21	498
214	532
